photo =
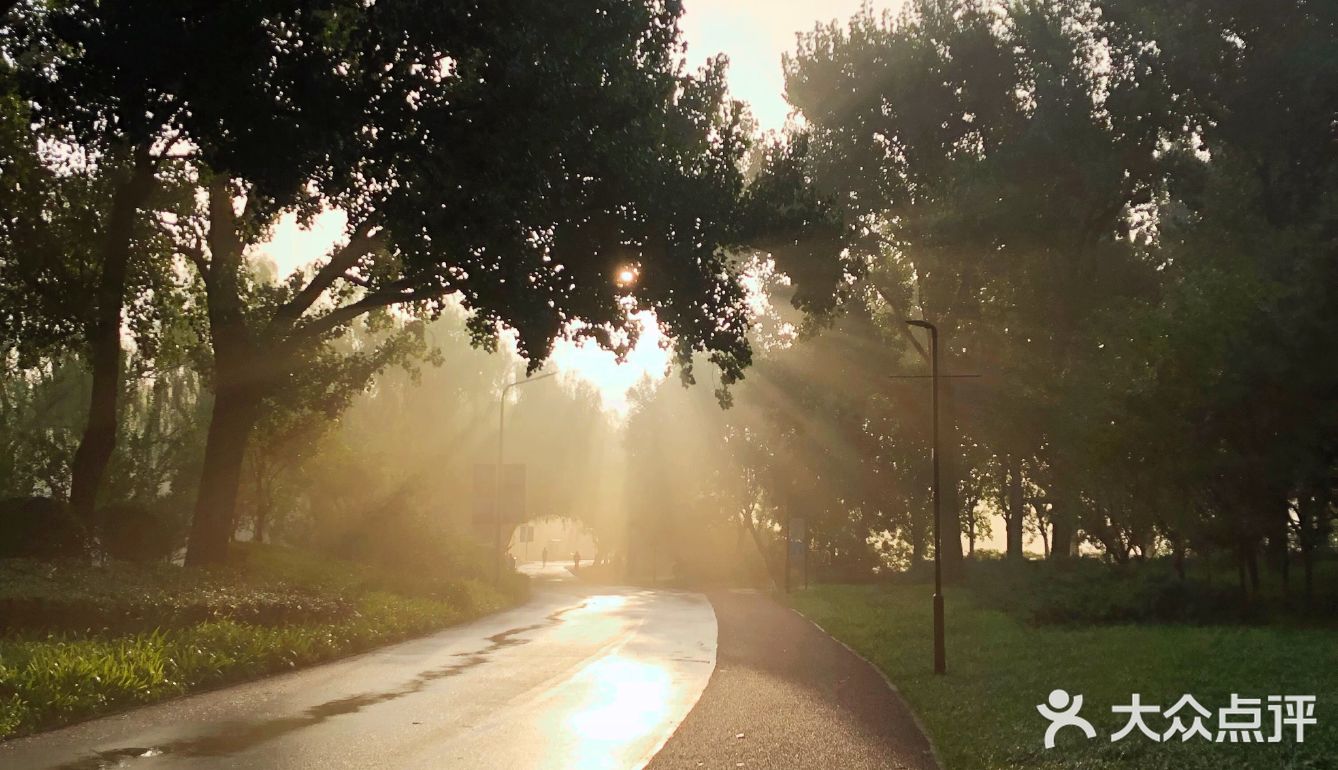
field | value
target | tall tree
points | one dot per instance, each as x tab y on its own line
928	132
1242	380
81	68
414	119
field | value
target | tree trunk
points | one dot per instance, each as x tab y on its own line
1014	521
1279	544
103	336
970	512
1062	541
261	515
746	516
917	539
1305	537
242	373
1240	569
1251	553
1285	562
263	501
1308	570
230	426
1045	534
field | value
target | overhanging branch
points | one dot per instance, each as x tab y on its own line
340	263
342	315
905	330
195	253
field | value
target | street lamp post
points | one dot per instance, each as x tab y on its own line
497	481
940	664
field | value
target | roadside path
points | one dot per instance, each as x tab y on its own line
787	696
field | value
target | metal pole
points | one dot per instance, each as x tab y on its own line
940	663
497	485
497	488
940	656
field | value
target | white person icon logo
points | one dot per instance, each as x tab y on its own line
1063	712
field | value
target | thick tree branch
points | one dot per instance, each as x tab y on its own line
225	247
195	254
340	263
905	330
342	315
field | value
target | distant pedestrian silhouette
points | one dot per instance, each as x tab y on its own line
544	555
576	560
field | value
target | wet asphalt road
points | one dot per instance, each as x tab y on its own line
580	677
785	695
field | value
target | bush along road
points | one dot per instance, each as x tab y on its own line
78	641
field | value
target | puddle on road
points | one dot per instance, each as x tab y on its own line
113	758
243	736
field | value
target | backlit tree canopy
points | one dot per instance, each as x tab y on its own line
519	158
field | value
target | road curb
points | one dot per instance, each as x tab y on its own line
933	747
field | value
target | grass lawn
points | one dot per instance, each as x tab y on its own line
982	714
80	640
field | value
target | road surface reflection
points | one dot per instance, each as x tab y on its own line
581	677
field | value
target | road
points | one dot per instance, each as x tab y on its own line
580	677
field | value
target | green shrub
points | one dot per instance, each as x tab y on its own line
42	597
269	563
410	547
40	527
78	639
52	680
1086	591
134	532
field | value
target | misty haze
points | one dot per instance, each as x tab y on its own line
669	384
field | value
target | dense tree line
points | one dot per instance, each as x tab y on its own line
1120	215
516	159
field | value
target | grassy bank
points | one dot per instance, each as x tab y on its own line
982	715
80	641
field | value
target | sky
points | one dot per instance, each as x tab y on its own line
753	34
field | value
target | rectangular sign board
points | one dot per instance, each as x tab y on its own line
798	554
